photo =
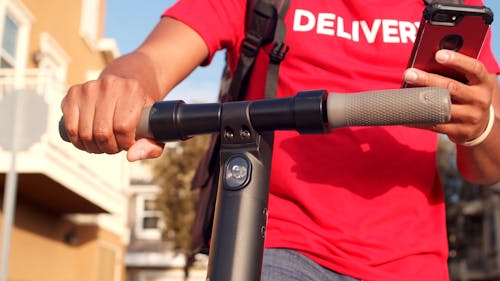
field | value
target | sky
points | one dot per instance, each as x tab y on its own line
129	22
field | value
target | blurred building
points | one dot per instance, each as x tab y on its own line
474	234
70	217
149	257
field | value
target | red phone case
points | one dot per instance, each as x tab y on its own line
446	26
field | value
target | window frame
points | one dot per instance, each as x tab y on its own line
140	213
24	19
5	55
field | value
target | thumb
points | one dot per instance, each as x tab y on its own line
144	149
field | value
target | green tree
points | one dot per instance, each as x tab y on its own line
173	172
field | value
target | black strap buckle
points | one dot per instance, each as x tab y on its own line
251	45
278	52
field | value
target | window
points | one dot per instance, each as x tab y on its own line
15	22
148	217
9	42
151	217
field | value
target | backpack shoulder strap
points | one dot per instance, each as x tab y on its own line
263	19
278	52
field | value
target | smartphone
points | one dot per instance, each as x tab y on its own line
460	28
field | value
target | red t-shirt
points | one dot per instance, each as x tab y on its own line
363	201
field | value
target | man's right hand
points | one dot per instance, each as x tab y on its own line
101	116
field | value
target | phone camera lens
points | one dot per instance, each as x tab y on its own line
446	18
440	17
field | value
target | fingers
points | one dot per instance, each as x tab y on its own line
466	124
477	92
479	95
101	116
86	117
462	127
103	132
474	70
126	117
470	102
421	78
70	110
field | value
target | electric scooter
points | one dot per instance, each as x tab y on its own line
246	130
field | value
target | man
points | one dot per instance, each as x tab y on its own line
360	203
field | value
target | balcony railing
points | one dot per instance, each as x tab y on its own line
98	180
43	82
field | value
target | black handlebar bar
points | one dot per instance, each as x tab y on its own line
307	112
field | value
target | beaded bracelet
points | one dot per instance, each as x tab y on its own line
486	132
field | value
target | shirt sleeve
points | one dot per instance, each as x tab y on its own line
219	23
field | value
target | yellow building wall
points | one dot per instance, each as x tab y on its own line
40	246
61	18
42	251
37	249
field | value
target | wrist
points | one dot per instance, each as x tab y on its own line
486	132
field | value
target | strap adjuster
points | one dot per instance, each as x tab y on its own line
278	52
251	45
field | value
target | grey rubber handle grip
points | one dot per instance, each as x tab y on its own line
389	107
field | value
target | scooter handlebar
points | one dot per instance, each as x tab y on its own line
307	112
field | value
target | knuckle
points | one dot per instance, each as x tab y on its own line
109	78
463	134
80	145
478	68
424	78
72	93
451	86
126	143
123	128
475	117
481	101
89	88
73	90
484	104
102	134
71	132
108	82
124	132
85	136
64	104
